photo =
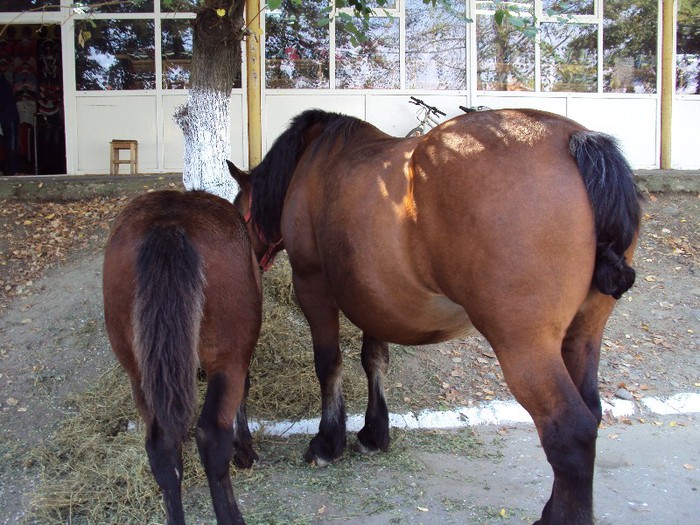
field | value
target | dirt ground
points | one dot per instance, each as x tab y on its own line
52	345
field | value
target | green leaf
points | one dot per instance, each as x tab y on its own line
499	16
530	32
274	4
323	22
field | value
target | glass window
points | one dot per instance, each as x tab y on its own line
688	48
17	6
296	48
505	57
100	6
629	46
436	45
569	57
372	64
519	6
182	6
387	4
569	7
115	54
176	48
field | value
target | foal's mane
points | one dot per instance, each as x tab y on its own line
272	176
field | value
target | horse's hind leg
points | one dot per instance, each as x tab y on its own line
374	435
215	441
581	348
538	378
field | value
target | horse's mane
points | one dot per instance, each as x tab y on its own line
272	176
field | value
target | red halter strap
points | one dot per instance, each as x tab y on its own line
269	257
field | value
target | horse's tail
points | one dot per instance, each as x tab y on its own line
166	318
616	204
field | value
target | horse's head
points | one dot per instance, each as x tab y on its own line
264	249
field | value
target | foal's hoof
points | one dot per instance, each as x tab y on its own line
245	458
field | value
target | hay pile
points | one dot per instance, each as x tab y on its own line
283	380
95	469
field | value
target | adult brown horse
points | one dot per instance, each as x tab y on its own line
517	222
181	282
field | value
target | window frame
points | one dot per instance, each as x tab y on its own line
157	16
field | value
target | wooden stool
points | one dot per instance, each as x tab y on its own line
115	161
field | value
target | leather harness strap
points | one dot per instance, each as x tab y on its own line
268	258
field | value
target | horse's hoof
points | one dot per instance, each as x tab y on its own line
372	442
245	458
316	461
365	450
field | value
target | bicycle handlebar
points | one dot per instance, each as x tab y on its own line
431	109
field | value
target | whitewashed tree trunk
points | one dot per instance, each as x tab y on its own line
205	122
205	119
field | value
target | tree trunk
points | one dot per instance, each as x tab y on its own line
205	118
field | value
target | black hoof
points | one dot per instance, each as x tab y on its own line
245	458
321	452
370	441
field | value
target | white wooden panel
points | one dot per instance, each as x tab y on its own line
173	140
552	104
239	130
280	108
101	119
685	149
633	121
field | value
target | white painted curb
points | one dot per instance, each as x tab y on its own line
491	413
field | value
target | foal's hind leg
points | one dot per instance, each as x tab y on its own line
165	457
215	438
244	456
321	312
538	378
374	436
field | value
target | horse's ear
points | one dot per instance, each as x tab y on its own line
241	177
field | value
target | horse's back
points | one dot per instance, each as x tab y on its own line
505	206
486	206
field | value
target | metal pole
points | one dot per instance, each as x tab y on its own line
668	79
254	82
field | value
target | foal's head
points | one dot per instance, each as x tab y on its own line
265	249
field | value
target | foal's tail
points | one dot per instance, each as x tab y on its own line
167	315
616	203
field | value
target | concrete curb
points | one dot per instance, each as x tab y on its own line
70	187
662	181
73	187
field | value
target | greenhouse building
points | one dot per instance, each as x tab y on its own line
90	72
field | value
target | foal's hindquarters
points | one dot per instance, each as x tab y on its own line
181	286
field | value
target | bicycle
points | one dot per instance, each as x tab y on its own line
426	115
474	109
